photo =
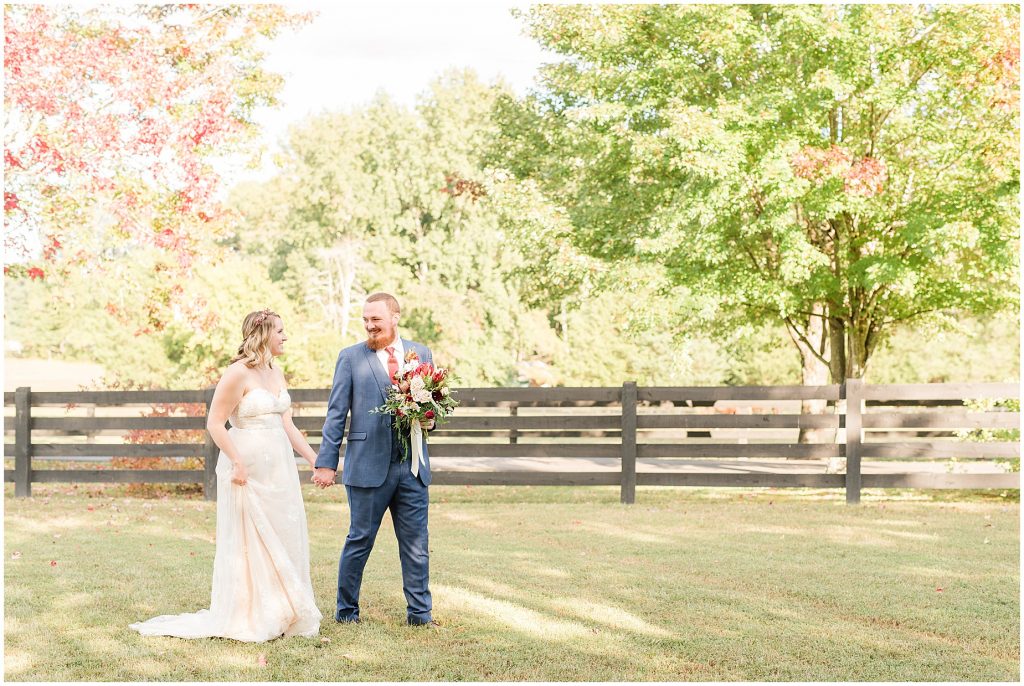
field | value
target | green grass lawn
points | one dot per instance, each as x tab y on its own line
552	584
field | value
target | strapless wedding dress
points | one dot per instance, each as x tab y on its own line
261	585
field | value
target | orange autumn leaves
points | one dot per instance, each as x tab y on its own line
865	176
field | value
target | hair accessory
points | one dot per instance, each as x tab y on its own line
261	317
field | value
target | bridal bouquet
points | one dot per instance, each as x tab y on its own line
421	392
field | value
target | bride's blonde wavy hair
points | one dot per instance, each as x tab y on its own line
256	330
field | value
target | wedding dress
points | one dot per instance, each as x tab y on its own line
261	585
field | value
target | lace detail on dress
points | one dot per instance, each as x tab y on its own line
260	409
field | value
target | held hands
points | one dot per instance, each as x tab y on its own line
323	477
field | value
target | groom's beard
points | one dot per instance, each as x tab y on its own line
380	340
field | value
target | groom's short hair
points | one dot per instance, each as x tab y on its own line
391	301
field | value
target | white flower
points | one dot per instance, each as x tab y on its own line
419	390
445	391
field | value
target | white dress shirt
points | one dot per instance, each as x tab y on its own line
382	354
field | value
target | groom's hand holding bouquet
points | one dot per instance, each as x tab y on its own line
420	398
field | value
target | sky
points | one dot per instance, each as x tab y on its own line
353	50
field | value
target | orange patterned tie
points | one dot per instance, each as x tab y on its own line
392	363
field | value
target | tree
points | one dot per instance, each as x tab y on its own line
112	118
390	198
840	170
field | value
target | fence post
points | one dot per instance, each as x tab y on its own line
853	392
23	442
628	494
209	455
513	434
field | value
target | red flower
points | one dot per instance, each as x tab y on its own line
429	414
399	413
36	273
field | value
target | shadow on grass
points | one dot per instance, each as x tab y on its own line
752	588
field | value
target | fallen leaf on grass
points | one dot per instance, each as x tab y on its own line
938	589
349	657
325	640
262	660
91	508
15	555
987	541
53	563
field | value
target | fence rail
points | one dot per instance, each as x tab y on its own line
626	424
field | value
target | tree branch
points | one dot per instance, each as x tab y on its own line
912	315
794	331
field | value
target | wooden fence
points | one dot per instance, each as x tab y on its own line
654	424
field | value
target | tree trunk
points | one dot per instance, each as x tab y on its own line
814	372
837	349
335	286
348	280
857	352
564	318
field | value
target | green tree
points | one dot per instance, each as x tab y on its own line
839	170
390	198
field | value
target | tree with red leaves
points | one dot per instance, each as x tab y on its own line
112	119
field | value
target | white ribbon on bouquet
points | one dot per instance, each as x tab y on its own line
416	440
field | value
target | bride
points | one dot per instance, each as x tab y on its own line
261	585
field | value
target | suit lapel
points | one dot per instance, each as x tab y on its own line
379	373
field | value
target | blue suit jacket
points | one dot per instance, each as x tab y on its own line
361	384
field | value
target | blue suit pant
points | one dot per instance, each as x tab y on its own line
406	497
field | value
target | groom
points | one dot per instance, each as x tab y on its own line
376	476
